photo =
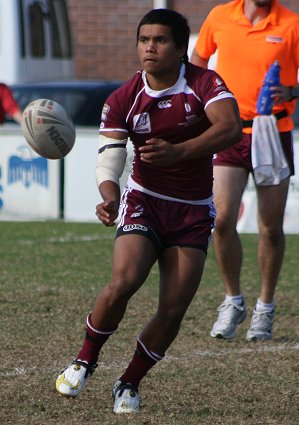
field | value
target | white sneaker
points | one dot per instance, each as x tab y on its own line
230	315
126	398
260	326
72	380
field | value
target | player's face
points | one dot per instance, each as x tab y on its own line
158	54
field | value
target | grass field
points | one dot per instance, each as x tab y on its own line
49	276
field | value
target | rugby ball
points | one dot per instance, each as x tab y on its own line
48	129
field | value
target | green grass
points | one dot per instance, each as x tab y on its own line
50	274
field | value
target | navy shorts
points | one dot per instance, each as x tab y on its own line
239	155
166	223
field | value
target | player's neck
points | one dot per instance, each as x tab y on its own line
161	82
254	13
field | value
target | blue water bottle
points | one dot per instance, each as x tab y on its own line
265	103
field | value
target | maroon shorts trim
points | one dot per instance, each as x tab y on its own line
239	155
165	223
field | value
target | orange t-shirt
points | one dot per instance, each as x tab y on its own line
245	52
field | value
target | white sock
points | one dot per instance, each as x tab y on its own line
236	299
260	306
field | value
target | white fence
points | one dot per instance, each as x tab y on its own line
30	186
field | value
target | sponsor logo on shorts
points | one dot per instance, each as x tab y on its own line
130	227
139	209
164	104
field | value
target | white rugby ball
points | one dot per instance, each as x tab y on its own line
48	129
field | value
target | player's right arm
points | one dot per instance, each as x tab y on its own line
197	60
205	44
111	161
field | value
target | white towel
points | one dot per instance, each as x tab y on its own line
268	159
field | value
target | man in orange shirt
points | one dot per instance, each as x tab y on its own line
249	36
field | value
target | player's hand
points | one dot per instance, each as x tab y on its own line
107	212
160	153
280	94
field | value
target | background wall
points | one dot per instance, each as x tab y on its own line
104	32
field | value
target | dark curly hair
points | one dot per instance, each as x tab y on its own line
177	23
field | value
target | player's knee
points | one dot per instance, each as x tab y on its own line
224	224
172	314
117	291
273	233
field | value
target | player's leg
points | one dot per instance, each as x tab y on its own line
180	271
271	207
229	185
133	258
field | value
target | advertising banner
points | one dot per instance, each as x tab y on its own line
29	184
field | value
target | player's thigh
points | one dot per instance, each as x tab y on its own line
133	258
271	203
180	270
228	188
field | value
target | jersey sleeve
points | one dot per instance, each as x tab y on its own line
213	88
113	117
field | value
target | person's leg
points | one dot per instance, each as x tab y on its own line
180	271
133	258
271	207
229	185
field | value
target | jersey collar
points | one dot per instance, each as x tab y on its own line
170	90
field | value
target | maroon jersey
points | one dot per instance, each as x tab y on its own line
175	114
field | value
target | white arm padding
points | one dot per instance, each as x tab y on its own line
111	159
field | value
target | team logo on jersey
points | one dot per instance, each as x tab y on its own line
105	110
142	123
164	104
274	39
217	81
187	107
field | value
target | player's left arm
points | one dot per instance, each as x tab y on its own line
226	130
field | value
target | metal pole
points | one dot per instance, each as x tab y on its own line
161	4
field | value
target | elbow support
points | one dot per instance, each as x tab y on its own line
111	159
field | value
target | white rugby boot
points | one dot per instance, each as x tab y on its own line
126	398
72	380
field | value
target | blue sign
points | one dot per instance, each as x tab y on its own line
28	171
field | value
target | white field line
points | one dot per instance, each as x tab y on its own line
196	354
70	238
244	350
